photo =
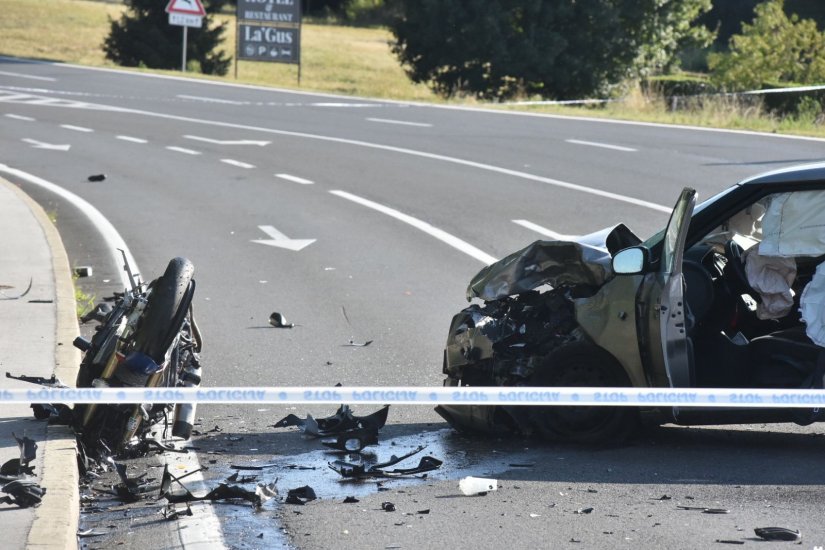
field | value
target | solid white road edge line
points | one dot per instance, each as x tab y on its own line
602	145
402	122
211	99
544	231
295	179
238	163
76	128
439	234
132	139
203	530
20	117
183	150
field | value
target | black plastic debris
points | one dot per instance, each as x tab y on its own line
278	320
777	533
13	468
423	512
261	494
97	177
388	506
129	489
53	382
57	414
342	421
236	478
705	509
23	493
170	513
97	314
300	495
353	441
351	500
723	541
583	511
663	497
363	471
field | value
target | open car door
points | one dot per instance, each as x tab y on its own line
668	345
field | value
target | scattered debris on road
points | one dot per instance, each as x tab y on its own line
278	320
777	533
341	422
472	486
364	470
53	382
300	495
97	177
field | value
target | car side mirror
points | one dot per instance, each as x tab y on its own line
631	261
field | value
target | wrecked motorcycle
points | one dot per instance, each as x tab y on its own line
147	338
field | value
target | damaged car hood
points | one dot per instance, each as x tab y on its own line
584	261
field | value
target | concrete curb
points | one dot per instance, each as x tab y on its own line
56	519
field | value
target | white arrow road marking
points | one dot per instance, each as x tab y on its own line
439	234
238	163
403	122
295	179
602	145
42	145
20	117
32	77
544	231
132	139
280	240
259	143
76	128
182	150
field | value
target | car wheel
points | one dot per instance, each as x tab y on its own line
584	365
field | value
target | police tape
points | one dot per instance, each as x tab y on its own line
414	395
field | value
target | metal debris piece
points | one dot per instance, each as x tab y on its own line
351	500
90	533
4	296
22	492
278	320
97	177
170	513
342	421
388	506
53	382
777	533
354	344
300	495
705	509
583	511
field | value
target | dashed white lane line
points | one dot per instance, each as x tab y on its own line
602	145
183	150
76	128
295	179
439	234
29	76
544	231
132	139
238	163
401	122
19	117
210	99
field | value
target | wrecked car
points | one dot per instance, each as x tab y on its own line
728	295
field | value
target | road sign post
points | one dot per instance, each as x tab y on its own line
185	13
269	30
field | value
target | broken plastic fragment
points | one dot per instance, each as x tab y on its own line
388	506
342	421
97	177
583	511
24	493
359	471
354	344
777	533
351	500
477	485
354	440
278	320
300	495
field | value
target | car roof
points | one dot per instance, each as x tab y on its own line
793	174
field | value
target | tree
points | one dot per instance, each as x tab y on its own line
494	49
775	48
144	37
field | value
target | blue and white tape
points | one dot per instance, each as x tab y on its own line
415	395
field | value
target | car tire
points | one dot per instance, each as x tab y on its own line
584	365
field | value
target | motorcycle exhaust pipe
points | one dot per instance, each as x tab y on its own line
185	412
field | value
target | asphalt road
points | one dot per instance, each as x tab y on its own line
196	169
